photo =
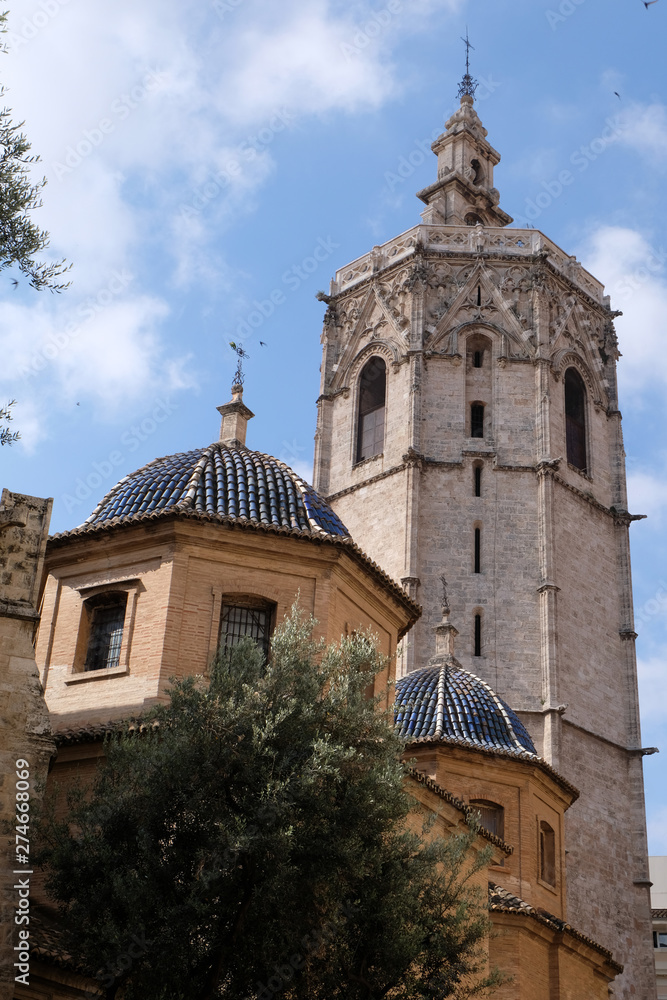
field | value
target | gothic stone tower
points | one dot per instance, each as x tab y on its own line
469	431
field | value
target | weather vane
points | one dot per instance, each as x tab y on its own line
239	377
467	84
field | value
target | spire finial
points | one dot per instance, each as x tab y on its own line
467	85
445	633
239	377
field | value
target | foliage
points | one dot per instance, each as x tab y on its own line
7	436
253	842
21	241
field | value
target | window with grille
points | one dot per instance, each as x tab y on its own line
105	633
575	419
371	416
477	420
547	854
241	621
491	816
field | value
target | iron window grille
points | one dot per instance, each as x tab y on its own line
105	637
240	622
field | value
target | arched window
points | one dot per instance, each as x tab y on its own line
575	419
547	854
372	395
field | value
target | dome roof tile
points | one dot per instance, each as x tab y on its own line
444	701
232	482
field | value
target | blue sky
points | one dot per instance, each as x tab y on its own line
198	154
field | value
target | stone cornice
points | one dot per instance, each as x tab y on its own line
19	610
635	751
367	482
428	252
621	517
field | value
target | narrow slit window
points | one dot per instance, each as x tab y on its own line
478	635
547	854
478	480
478	550
479	302
371	416
575	419
477	420
477	358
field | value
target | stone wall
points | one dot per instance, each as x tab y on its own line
554	589
25	731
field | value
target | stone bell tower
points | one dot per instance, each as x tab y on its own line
469	429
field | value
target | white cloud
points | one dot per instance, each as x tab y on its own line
652	676
633	271
156	127
312	62
647	493
645	130
657	830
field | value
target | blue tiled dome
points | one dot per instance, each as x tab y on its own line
443	701
223	481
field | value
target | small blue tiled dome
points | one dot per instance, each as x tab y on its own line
443	701
223	481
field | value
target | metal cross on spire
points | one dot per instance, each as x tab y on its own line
239	376
467	84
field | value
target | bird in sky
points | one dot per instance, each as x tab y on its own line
262	343
647	3
617	94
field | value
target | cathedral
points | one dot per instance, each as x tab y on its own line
469	506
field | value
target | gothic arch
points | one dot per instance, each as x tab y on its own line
381	348
496	334
567	358
363	328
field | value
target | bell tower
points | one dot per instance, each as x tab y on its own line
468	427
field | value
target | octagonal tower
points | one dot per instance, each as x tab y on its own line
469	436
